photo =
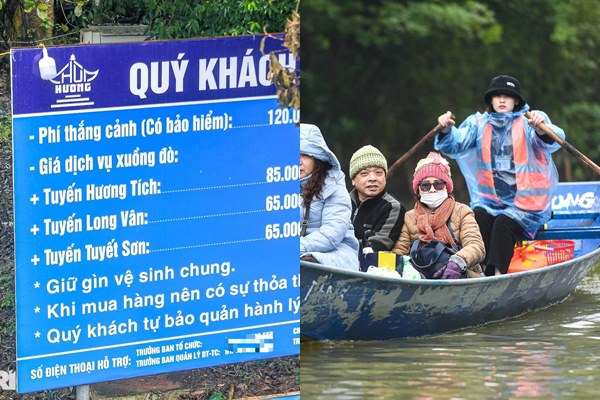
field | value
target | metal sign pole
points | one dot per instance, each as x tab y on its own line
82	392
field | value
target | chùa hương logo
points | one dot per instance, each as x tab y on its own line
74	83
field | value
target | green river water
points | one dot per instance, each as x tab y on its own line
549	354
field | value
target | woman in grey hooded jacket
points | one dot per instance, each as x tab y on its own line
329	238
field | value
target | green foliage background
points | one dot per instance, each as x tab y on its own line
20	20
381	72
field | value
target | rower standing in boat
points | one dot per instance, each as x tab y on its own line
327	235
438	217
507	164
377	215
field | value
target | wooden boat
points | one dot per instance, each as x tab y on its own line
337	304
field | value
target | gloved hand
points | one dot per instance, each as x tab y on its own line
450	271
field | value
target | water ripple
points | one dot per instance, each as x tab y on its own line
549	354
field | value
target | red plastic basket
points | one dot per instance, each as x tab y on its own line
556	251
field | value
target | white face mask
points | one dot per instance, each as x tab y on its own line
434	199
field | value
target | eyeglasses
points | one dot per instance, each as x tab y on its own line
425	186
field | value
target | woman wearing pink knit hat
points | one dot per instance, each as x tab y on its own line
438	219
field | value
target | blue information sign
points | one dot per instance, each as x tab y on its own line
156	209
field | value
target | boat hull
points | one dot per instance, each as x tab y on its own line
346	305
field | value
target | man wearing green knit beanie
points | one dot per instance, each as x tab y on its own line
377	216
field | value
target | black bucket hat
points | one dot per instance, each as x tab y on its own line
507	85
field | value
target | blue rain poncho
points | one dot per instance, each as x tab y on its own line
507	167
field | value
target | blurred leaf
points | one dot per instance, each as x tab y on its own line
292	34
42	11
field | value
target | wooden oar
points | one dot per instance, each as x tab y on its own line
413	149
567	146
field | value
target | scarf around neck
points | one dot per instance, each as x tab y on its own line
432	225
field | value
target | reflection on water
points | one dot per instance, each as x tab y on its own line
551	354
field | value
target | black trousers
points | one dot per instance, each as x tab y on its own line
500	234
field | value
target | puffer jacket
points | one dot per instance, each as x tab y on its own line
330	235
383	215
466	231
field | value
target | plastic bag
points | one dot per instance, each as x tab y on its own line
409	272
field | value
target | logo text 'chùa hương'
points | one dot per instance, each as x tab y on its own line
73	81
